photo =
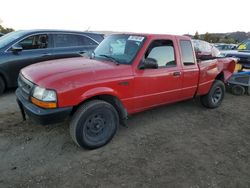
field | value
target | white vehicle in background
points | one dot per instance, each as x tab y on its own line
205	48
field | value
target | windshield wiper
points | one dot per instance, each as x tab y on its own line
111	58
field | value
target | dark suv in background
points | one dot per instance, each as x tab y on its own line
242	53
22	48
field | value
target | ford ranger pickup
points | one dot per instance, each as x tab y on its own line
125	74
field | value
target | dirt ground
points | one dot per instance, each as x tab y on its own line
180	145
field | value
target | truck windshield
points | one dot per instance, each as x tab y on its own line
10	37
244	45
121	48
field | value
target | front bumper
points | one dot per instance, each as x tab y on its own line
40	115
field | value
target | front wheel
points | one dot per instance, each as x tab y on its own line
94	124
215	96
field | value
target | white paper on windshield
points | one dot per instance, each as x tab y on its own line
136	38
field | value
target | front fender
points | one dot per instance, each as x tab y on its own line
109	95
98	91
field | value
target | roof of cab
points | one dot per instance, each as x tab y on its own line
150	35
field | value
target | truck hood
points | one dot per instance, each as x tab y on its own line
73	71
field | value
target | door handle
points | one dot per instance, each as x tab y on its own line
177	73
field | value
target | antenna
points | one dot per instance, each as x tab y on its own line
88	28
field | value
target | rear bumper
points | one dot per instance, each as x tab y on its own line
40	115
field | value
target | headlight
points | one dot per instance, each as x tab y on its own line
44	98
44	94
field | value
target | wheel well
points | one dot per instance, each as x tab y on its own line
110	99
220	77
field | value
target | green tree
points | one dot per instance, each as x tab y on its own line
207	37
5	30
196	35
228	40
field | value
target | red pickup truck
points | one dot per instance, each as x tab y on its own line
126	74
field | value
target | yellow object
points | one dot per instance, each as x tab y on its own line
242	47
43	104
238	67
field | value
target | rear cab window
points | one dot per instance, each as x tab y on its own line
187	53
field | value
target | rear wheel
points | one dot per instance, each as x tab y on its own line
2	85
238	90
94	124
215	96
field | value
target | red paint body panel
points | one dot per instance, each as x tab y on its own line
209	71
78	79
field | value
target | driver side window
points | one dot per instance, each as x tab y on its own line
34	42
163	52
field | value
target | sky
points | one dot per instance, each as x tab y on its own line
141	16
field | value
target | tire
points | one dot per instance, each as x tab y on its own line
215	96
248	90
94	124
2	85
238	90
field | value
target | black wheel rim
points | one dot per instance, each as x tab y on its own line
98	127
217	95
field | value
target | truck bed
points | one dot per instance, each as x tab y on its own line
209	69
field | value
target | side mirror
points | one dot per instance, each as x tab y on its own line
149	63
16	48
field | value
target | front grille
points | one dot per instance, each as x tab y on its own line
25	86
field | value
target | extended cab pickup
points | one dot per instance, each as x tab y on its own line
126	74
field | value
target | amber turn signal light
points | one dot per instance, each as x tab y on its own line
43	104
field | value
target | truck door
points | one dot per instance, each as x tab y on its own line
163	84
190	70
